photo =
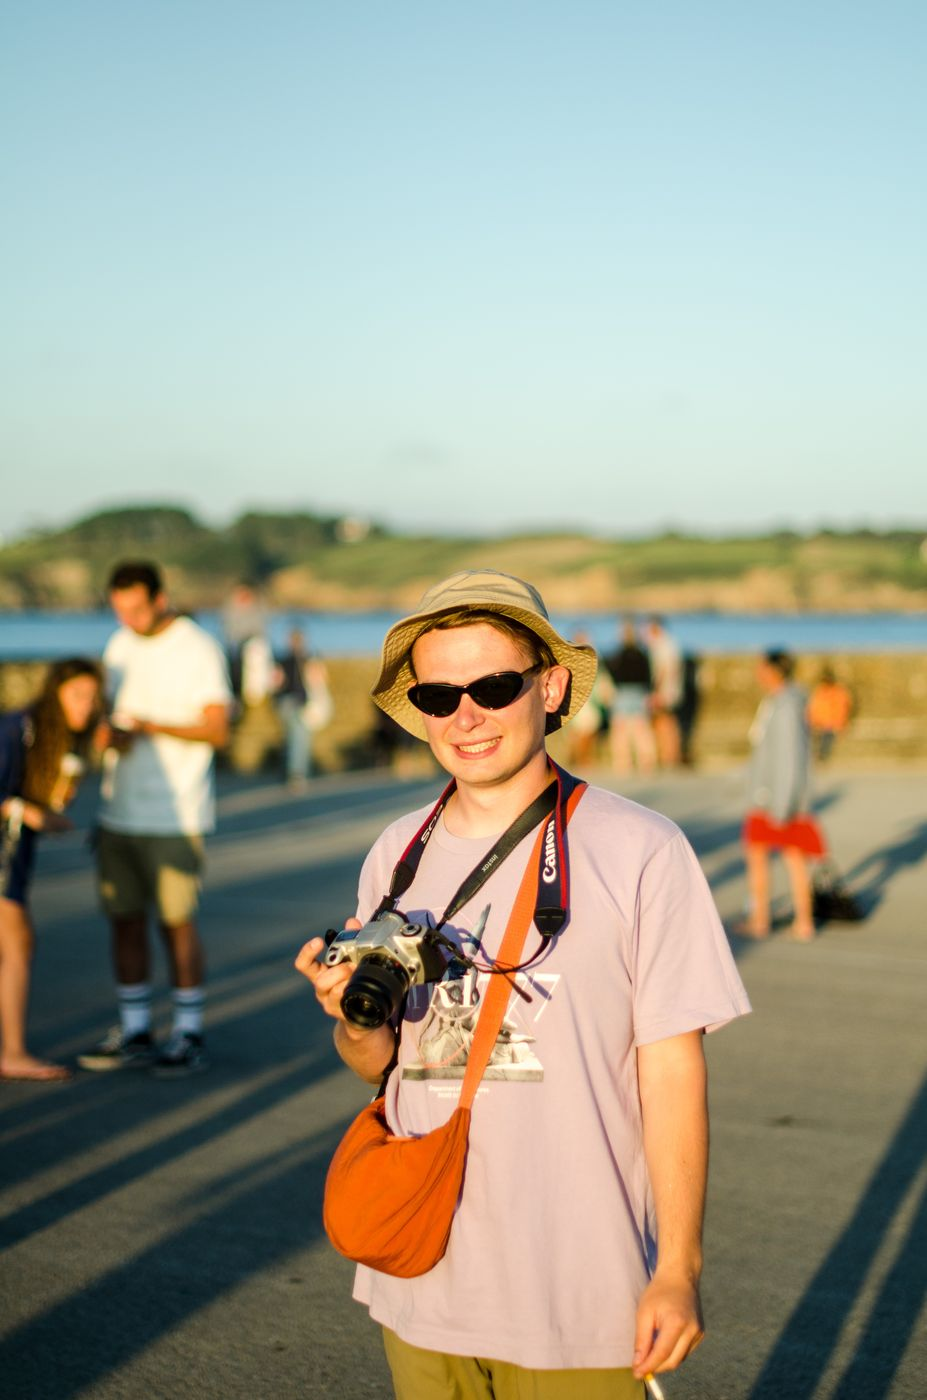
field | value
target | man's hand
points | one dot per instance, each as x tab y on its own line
366	1052
113	736
328	982
669	1324
211	728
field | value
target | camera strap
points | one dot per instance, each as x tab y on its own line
552	901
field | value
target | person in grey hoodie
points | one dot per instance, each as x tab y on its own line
779	793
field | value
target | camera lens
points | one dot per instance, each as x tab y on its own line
374	993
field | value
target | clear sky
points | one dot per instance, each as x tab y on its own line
466	266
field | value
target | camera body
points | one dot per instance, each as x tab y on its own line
389	955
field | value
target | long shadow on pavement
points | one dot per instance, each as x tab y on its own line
125	1107
873	872
273	809
78	1342
800	1356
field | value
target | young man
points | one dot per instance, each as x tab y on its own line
576	1244
169	695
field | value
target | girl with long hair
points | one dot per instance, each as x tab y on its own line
42	754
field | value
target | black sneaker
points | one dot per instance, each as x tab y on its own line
184	1054
118	1051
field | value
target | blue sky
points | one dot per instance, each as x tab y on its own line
466	267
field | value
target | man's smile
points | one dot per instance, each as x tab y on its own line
476	748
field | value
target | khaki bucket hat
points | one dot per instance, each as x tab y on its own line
486	591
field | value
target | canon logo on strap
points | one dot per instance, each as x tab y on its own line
549	868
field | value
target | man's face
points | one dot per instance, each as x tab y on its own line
479	747
136	609
769	677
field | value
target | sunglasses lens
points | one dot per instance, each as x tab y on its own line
437	700
495	692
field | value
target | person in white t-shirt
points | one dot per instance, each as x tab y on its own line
169	695
574	1257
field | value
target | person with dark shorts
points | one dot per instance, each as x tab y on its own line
630	731
170	695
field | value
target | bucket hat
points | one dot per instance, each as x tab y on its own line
484	590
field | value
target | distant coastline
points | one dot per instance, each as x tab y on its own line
304	562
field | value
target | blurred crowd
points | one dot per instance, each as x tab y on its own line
167	697
644	707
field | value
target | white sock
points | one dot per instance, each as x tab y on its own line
134	1007
188	1009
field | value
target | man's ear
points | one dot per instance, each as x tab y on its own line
556	688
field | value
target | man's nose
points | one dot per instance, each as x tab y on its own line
468	714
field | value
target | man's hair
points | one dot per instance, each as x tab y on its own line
134	571
781	661
535	648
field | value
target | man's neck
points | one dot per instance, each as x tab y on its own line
161	625
476	811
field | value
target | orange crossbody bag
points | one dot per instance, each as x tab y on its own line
390	1201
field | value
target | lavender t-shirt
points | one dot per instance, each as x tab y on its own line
554	1237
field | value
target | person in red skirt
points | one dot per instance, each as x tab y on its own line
779	798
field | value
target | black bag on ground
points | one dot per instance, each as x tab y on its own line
832	902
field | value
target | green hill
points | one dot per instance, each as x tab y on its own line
304	560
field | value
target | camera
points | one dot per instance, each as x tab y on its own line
389	955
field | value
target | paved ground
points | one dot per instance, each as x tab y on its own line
163	1240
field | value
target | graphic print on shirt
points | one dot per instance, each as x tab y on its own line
450	1022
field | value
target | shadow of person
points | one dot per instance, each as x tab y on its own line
871	875
811	1335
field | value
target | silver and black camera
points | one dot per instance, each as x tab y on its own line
390	955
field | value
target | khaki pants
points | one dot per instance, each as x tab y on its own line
431	1375
137	871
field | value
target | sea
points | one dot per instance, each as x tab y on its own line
48	635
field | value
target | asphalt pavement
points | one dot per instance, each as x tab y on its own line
164	1239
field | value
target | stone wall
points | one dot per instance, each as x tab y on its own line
889	727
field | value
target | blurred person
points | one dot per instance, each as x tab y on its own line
385	737
394	747
630	730
779	798
42	755
593	718
688	707
666	671
170	696
243	616
587	1150
303	703
257	670
258	730
829	711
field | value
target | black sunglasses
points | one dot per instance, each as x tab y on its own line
489	692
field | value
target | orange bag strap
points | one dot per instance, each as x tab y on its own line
500	988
